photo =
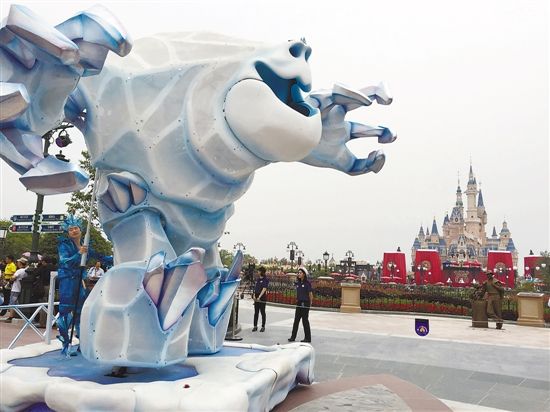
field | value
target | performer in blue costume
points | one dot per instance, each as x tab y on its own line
72	291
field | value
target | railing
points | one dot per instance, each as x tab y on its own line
47	307
395	298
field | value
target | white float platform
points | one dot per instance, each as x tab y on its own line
241	377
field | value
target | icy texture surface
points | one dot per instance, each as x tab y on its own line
176	128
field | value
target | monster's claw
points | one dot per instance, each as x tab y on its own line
380	93
384	134
14	100
44	41
235	271
183	278
53	176
373	163
22	151
340	95
96	31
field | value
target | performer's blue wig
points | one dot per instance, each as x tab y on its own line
71	221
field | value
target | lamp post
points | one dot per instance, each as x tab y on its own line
239	246
3	234
421	268
350	256
299	257
325	258
292	247
392	267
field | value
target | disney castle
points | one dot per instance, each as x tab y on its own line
464	236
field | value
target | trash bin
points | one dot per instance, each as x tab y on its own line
479	314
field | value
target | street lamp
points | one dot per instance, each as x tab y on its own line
239	246
392	266
421	268
299	255
325	258
350	256
292	247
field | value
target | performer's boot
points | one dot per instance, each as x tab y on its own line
499	325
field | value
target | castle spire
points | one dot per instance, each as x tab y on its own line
480	199
434	228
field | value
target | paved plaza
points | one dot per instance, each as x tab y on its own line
469	369
368	361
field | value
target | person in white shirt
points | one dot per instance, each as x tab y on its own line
95	272
19	274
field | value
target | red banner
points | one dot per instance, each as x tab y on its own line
395	268
427	267
530	265
500	262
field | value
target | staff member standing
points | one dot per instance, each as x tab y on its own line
304	296
260	299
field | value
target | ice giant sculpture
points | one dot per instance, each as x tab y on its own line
176	128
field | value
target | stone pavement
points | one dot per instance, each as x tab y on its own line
466	368
369	361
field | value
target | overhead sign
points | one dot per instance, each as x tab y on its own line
51	229
53	218
21	228
22	218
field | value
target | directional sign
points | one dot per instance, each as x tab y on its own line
21	228
51	229
53	218
22	218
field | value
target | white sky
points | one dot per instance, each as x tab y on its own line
469	80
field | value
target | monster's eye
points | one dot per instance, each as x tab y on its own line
296	49
308	53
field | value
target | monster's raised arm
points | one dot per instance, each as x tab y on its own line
41	66
336	131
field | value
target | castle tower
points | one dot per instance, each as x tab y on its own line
472	221
482	215
504	236
456	224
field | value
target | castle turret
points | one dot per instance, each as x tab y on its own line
473	222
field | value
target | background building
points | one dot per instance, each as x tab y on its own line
464	236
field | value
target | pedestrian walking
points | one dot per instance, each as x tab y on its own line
9	270
260	299
304	297
494	292
15	280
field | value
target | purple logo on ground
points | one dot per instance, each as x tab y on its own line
422	326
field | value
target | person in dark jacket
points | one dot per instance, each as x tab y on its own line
260	299
304	297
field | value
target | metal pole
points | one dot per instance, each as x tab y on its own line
33	258
51	296
234	326
84	256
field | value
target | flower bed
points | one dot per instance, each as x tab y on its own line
398	298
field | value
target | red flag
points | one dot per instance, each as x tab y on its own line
395	268
530	264
500	262
427	267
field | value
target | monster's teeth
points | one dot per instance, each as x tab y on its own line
120	194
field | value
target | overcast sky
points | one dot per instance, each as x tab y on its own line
469	80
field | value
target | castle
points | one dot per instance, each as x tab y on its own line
464	236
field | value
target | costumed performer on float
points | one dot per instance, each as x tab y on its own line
71	275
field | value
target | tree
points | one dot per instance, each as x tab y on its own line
79	204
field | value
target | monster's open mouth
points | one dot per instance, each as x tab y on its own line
288	91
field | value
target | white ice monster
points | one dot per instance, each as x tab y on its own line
176	128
